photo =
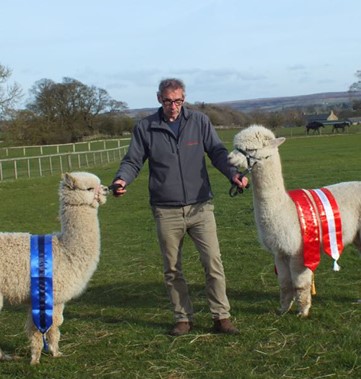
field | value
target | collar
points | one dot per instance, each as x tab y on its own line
183	114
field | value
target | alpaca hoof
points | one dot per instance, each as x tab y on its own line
303	314
58	354
6	357
35	362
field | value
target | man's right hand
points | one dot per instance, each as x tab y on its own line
119	187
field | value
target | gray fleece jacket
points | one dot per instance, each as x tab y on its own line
177	166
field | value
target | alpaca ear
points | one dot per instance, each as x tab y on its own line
69	180
277	142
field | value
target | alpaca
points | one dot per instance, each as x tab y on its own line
76	251
279	230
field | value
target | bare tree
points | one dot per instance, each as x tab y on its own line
354	92
357	85
9	94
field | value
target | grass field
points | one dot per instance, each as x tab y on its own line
118	327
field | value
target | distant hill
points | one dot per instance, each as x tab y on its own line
279	103
273	104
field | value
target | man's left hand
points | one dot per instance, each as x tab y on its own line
240	181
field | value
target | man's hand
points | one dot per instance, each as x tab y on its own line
119	187
240	181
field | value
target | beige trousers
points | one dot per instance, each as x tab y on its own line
198	221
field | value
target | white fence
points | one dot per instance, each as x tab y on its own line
43	165
35	150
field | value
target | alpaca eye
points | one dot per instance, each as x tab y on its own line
90	189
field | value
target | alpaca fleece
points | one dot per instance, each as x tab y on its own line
276	215
76	252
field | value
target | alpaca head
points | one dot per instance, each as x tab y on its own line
82	188
256	141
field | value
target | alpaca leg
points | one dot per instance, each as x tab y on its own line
3	356
285	283
302	282
53	334
36	340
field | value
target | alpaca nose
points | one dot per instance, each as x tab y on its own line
106	190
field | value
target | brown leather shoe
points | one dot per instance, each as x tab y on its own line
225	326
181	328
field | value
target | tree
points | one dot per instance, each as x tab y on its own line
354	88
70	105
274	120
9	94
117	106
357	85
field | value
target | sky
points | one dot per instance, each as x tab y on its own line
224	50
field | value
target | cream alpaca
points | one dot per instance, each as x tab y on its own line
76	251
276	215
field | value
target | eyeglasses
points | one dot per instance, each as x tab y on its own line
170	102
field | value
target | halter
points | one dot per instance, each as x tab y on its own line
97	192
249	157
235	190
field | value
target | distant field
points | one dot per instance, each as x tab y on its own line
298	132
117	328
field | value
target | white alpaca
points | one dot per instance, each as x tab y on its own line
76	251
256	148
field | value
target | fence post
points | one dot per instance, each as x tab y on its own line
40	168
15	170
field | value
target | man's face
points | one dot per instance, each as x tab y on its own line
172	101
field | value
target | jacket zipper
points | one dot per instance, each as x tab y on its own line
181	174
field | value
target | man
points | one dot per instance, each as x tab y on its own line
174	140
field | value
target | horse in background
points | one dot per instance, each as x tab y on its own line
314	126
342	126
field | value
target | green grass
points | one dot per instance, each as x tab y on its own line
118	327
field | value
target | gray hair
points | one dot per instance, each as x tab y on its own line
172	84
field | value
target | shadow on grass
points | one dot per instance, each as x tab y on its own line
145	295
146	304
125	302
153	294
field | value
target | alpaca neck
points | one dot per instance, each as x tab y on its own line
78	251
79	223
268	182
